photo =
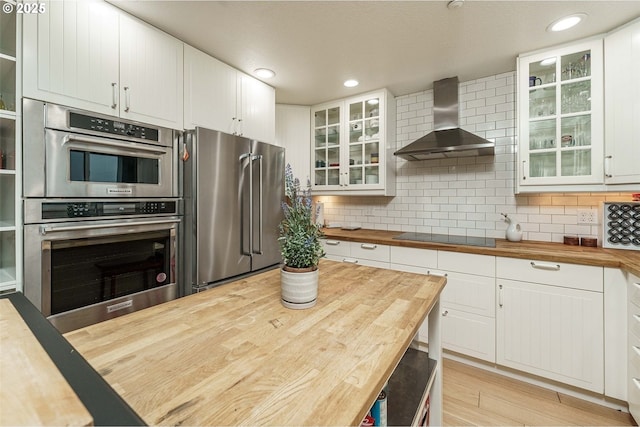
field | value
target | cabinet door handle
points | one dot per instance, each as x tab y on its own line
444	313
431	273
114	95
350	261
541	266
127	100
346	179
524	170
500	295
607	166
333	242
368	246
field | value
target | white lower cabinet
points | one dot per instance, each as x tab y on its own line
467	302
553	328
468	305
633	346
615	333
369	254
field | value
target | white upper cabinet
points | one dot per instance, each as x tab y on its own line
151	71
351	145
71	55
257	109
220	97
560	111
89	55
622	105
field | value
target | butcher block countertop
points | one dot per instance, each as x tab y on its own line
628	260
234	355
33	391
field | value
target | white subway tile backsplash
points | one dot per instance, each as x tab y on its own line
466	195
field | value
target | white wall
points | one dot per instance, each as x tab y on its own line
293	132
465	196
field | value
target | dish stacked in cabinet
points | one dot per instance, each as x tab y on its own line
633	364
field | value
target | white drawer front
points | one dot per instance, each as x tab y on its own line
634	356
409	268
370	251
470	293
425	258
335	247
572	276
469	334
634	291
483	265
633	316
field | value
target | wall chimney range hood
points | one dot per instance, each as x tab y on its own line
447	139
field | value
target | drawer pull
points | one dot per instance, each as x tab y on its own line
444	313
552	267
368	246
333	242
500	296
350	261
433	273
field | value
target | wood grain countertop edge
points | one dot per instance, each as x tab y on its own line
626	260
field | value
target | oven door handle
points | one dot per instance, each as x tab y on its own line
44	229
84	140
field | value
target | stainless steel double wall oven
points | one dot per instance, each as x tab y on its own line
102	214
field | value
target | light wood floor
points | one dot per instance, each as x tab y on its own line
474	397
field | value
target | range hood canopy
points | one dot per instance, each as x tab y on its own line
447	139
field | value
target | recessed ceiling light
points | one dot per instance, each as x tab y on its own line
264	73
351	83
548	61
566	22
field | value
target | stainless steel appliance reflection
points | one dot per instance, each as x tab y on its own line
233	191
75	153
102	214
88	261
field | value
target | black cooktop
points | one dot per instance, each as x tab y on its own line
447	238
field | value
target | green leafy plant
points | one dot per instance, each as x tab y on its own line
299	235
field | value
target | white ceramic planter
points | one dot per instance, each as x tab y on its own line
299	290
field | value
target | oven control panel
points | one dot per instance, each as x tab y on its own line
91	209
115	127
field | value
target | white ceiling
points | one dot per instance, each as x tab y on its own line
314	46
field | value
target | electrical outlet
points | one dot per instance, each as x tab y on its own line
587	216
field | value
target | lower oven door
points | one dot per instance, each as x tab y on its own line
82	273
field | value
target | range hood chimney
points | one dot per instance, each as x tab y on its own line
447	139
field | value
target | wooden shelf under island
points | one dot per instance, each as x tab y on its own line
234	355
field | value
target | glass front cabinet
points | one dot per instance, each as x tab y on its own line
351	145
560	110
10	124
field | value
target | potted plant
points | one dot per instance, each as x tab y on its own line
300	246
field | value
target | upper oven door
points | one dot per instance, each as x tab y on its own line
79	165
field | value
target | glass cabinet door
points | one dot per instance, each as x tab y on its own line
559	128
326	151
364	141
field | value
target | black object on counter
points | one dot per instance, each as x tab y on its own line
105	405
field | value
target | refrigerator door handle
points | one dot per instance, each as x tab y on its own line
260	216
241	159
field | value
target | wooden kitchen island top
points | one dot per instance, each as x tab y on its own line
234	355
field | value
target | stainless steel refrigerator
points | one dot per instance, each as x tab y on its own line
233	189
